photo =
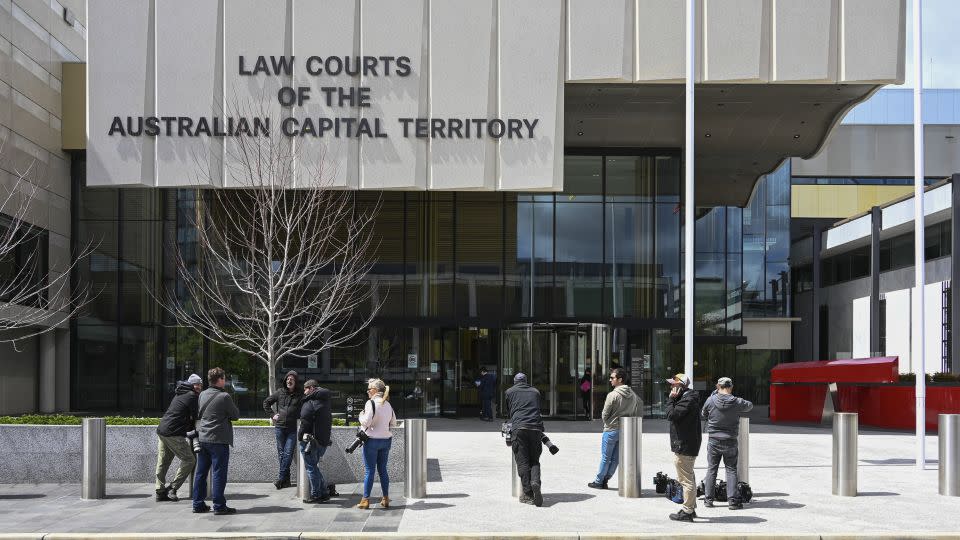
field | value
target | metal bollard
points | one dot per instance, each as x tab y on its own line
949	437
94	468
303	483
516	487
743	451
628	474
845	427
415	456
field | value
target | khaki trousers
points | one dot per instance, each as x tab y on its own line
167	448
686	478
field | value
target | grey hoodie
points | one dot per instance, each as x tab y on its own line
621	401
722	413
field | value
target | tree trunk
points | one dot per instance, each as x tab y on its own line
271	377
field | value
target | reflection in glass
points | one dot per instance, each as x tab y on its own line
579	259
630	260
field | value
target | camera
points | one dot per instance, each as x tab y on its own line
549	444
311	443
506	431
660	481
362	437
194	439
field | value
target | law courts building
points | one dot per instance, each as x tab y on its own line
528	155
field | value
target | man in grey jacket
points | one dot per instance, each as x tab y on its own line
215	431
722	412
621	401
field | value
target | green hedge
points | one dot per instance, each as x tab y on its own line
69	420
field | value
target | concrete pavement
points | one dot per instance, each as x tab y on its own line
469	494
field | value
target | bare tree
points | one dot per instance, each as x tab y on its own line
33	300
280	259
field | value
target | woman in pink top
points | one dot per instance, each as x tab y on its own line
376	420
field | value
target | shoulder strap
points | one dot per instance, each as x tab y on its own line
200	414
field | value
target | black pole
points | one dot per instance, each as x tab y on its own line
876	222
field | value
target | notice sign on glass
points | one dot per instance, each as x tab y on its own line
412	361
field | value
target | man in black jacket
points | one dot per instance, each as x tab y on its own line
316	420
683	412
287	401
523	409
171	438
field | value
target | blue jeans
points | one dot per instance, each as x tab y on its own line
286	439
487	411
727	450
311	463
217	457
609	455
375	453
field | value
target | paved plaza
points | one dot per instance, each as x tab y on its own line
469	493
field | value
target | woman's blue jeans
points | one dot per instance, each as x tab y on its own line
375	454
609	455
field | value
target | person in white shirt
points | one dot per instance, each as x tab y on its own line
376	420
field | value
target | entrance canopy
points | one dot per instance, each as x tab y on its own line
470	95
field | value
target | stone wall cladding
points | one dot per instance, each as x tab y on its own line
53	454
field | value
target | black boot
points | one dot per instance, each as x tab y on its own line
172	494
162	495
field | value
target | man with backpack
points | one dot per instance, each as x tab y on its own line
722	412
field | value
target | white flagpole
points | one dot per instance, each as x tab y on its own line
688	213
919	359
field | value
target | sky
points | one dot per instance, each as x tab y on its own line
941	54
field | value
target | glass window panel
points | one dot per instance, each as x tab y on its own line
734	229
668	260
579	259
753	282
140	203
582	179
386	276
669	181
630	178
778	185
247	379
96	376
479	259
529	272
98	271
98	203
778	232
711	231
139	380
710	300
778	287
631	282
429	256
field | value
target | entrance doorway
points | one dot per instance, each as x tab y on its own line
555	358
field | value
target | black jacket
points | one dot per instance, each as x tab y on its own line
316	417
488	385
181	414
288	404
523	407
683	412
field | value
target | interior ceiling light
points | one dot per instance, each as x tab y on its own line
796	135
707	135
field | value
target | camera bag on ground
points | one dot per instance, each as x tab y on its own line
720	491
674	491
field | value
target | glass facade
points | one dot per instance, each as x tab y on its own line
459	276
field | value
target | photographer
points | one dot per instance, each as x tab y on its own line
685	439
375	420
621	401
523	409
316	421
171	438
287	400
215	432
722	412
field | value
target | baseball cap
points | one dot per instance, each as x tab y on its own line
311	384
519	377
194	379
680	379
725	382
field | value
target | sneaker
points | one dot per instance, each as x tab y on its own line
595	485
225	511
278	484
683	516
285	483
162	495
735	505
526	499
322	499
201	509
537	495
708	503
332	490
172	495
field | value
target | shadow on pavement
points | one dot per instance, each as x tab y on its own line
897	461
877	494
447	496
729	519
268	510
22	496
775	503
420	505
130	496
771	494
550	499
244	496
433	470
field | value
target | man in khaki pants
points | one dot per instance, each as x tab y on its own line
683	412
171	438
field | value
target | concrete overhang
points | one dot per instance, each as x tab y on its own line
742	130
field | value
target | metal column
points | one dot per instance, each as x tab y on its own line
743	451
876	224
845	427
918	355
303	483
516	487
815	293
690	38
955	274
94	467
415	458
629	473
949	454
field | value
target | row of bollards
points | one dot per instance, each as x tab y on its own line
844	469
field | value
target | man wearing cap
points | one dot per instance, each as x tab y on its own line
523	409
722	412
316	420
685	439
178	419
